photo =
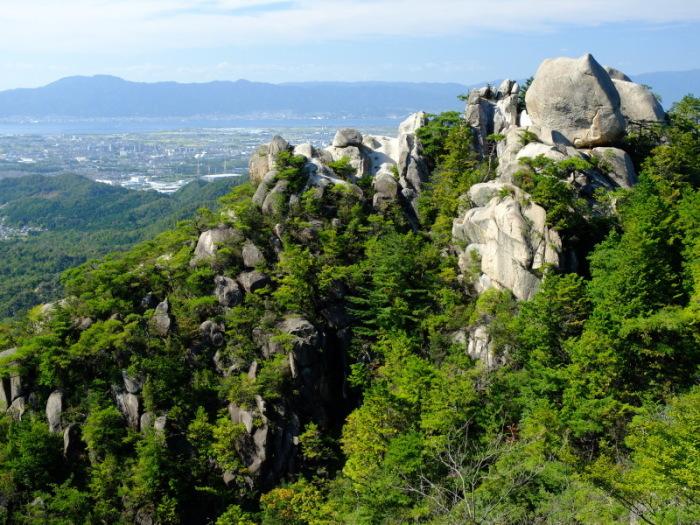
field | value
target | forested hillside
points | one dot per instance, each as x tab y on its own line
74	219
473	322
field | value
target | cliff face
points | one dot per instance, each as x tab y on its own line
257	313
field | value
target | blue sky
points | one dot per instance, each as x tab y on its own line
464	41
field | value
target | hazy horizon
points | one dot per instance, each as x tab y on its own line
315	81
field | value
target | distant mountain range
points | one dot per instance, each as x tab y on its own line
105	96
672	85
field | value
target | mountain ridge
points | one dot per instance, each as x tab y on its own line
101	96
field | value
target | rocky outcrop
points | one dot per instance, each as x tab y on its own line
209	241
132	383
252	281
577	98
9	387
149	422
129	405
575	109
227	291
386	189
637	103
54	409
263	159
616	74
160	322
268	445
508	236
395	161
492	111
71	441
253	445
212	332
507	151
13	396
252	255
357	157
347	137
275	200
617	165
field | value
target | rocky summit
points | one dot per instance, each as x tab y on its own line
475	320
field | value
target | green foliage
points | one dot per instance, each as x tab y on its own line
295	504
234	515
545	181
660	482
104	432
342	168
527	137
31	456
457	170
82	220
522	93
289	168
582	409
63	505
434	134
295	291
225	435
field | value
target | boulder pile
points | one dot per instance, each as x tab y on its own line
575	108
396	165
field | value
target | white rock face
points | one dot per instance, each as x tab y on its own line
17	408
252	255
507	150
637	103
306	149
358	159
480	347
617	164
263	159
383	152
208	242
132	384
412	123
386	188
411	166
160	322
54	408
489	111
616	74
535	149
577	98
347	137
510	237
505	113
129	406
368	155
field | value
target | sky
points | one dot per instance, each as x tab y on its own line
464	41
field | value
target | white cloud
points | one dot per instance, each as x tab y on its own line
116	26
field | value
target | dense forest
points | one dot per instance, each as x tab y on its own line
339	343
76	219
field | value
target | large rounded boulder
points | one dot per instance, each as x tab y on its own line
577	98
637	103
